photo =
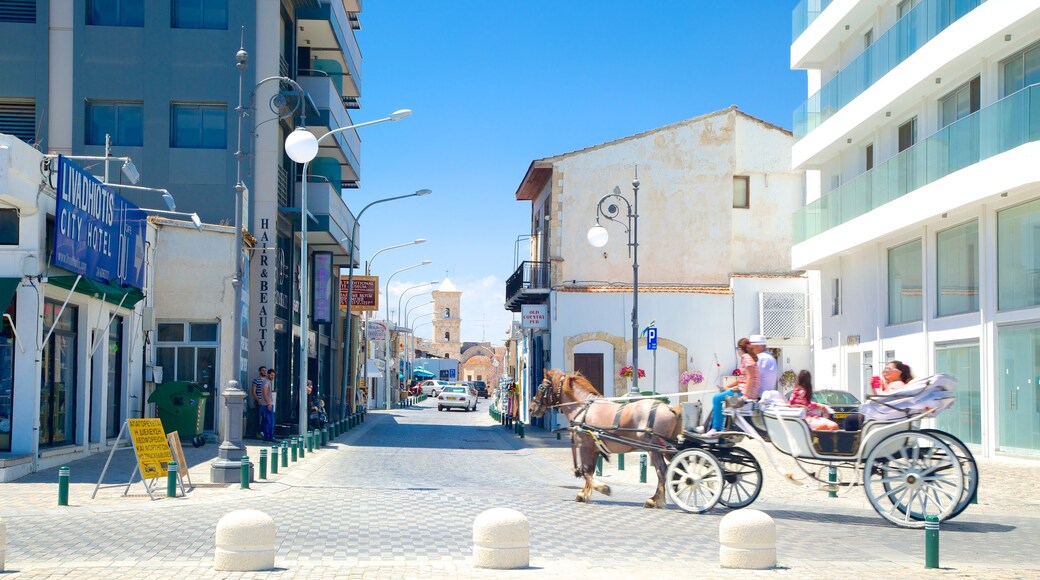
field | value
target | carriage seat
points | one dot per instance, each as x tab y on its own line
790	433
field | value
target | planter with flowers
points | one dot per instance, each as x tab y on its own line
626	373
694	376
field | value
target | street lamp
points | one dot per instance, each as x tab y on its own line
302	147
386	343
368	264
407	290
598	237
347	323
194	217
417	306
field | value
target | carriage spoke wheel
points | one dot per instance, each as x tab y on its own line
694	480
968	466
910	475
742	475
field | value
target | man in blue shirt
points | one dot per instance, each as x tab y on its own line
767	374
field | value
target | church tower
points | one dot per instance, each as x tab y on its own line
447	321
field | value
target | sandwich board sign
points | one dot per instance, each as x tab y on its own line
152	451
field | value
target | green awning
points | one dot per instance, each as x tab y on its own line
111	293
8	286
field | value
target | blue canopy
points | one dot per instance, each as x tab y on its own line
422	373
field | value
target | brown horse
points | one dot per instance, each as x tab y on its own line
648	423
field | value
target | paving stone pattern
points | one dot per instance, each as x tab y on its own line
396	498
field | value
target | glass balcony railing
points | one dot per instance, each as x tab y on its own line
804	13
910	33
998	128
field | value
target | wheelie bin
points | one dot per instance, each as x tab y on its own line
182	408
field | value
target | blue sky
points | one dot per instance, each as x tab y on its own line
496	84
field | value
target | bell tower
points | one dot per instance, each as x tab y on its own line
447	321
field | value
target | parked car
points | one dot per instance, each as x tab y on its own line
482	390
433	387
843	403
456	397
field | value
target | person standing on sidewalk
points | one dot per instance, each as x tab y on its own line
266	405
255	390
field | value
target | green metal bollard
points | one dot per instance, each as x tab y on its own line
263	464
521	423
171	479
274	460
642	468
295	449
931	541
599	465
285	454
310	441
302	443
63	485
974	497
245	472
324	436
832	477
557	435
621	462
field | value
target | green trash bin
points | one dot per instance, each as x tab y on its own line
182	408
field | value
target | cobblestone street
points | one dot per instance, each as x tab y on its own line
397	496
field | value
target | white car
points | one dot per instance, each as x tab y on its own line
432	387
456	397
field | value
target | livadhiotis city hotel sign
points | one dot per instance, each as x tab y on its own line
97	233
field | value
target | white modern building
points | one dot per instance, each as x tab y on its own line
922	219
715	200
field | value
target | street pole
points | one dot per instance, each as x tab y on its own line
386	343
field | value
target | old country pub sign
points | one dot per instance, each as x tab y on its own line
97	233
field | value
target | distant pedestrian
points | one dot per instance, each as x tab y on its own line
255	392
267	406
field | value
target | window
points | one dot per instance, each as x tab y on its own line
904	283
124	121
741	191
7	346
187	351
8	227
447	313
1020	71
58	404
1018	256
115	12
198	126
211	14
906	6
869	155
835	296
962	102
447	337
908	134
18	118
957	269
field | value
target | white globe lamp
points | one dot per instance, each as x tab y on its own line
598	236
301	145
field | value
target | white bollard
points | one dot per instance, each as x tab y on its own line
245	542
747	540
3	542
501	540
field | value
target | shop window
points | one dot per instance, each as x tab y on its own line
957	269
58	404
7	346
904	283
1018	256
8	227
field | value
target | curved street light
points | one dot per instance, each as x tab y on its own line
302	147
368	264
598	237
407	290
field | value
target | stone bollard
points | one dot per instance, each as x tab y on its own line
501	540
3	542
747	540
245	542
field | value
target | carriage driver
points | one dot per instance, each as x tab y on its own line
766	364
745	384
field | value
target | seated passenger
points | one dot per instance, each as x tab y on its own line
896	374
815	414
745	384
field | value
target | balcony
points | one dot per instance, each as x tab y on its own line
328	114
909	34
528	285
329	220
996	129
804	13
327	32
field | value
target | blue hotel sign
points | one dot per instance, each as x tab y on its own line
97	233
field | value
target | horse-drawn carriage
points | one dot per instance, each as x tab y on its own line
907	473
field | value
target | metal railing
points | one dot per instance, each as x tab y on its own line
528	276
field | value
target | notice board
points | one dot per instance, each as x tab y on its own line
150	446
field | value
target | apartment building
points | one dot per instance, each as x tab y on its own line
158	82
922	219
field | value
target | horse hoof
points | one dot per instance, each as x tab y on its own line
581	499
605	490
650	504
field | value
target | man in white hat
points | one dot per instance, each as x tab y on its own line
767	374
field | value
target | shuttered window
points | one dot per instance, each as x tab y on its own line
23	11
18	118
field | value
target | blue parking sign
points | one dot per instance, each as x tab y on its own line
651	338
451	373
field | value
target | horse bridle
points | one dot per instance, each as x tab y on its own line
547	396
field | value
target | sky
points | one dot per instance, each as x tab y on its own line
496	84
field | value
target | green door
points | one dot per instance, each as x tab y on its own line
1018	403
964	419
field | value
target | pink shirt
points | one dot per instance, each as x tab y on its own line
748	376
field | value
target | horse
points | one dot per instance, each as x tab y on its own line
597	425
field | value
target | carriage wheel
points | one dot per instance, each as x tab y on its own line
917	474
742	475
968	467
694	480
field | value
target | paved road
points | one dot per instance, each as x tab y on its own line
397	497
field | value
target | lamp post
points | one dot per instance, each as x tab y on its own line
414	242
302	147
347	323
386	343
407	290
598	237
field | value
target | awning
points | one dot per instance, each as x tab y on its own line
423	373
8	286
108	292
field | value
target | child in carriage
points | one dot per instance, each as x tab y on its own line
815	413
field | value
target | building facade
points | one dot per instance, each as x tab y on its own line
922	216
714	200
157	82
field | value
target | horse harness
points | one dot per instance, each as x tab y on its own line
599	434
